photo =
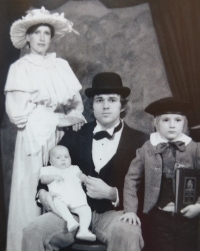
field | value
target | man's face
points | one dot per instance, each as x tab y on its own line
107	109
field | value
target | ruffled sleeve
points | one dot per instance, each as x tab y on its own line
50	79
44	171
19	79
19	94
18	107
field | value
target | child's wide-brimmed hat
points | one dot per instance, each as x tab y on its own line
19	28
168	105
107	83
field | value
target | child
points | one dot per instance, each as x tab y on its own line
63	179
155	163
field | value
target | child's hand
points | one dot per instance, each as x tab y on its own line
191	211
132	218
58	178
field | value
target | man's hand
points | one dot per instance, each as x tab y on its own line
98	189
191	211
46	199
132	218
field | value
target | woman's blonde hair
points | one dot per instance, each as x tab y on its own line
156	123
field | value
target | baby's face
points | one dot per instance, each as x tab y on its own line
171	126
60	158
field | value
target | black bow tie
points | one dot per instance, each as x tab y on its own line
178	145
105	134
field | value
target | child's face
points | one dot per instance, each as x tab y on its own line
60	158
170	126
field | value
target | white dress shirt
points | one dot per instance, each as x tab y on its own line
104	149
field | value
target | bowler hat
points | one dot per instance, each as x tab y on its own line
105	83
168	105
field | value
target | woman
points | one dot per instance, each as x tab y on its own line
42	95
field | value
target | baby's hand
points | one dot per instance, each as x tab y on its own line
191	211
82	177
58	178
132	218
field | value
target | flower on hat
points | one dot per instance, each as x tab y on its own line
39	16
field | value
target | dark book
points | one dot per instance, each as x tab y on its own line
187	187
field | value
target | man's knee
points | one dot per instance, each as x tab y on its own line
127	233
31	230
121	227
44	227
48	230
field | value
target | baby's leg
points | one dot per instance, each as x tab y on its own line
62	208
85	215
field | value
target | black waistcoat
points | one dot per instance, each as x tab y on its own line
101	206
167	190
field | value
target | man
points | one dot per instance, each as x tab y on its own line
103	150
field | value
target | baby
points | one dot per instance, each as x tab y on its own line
63	179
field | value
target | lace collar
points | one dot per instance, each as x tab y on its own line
155	139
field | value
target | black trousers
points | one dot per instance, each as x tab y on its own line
166	232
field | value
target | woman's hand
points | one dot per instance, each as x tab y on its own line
191	211
46	199
131	217
98	189
78	126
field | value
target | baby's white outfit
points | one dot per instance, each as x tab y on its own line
70	190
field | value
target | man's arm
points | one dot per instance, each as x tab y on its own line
39	188
46	200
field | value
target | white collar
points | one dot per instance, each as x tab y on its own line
99	128
155	139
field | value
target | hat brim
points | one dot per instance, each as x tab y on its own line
123	91
19	28
168	106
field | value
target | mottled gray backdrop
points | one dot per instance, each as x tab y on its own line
120	40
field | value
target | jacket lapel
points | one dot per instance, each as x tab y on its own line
86	146
153	176
123	146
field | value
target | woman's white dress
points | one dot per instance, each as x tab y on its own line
38	89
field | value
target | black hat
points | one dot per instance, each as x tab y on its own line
168	105
106	83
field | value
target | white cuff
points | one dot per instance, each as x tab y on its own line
116	203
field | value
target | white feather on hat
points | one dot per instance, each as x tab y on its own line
39	16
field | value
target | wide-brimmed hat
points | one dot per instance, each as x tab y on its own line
105	83
39	16
168	105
